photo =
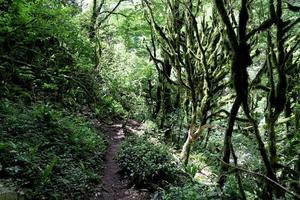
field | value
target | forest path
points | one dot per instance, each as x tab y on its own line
114	187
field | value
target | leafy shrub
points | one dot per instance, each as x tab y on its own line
109	107
151	128
145	162
189	191
48	153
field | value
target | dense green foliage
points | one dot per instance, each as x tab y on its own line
47	77
188	191
44	54
215	85
48	153
145	162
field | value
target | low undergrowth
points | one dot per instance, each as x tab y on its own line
151	164
46	152
189	191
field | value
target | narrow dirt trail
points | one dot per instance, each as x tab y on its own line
114	187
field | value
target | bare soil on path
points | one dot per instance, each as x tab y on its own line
114	187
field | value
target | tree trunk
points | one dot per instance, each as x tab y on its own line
158	100
186	149
227	140
237	174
